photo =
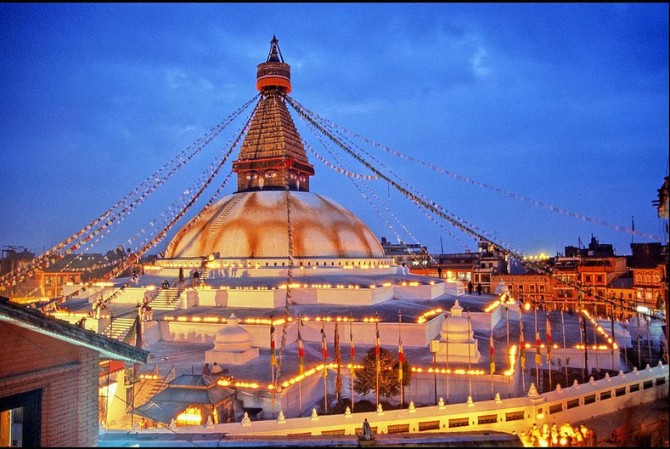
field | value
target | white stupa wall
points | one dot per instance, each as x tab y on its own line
419	292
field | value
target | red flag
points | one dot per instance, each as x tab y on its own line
493	363
548	341
377	348
301	351
401	360
324	347
538	351
324	351
522	341
273	349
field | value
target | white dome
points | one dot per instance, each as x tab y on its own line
254	224
232	337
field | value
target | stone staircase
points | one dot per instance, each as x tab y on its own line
166	299
119	328
153	384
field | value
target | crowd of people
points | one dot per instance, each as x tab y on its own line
555	436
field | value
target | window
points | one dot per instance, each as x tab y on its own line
398	428
514	416
605	395
555	408
487	419
20	423
459	422
590	399
429	425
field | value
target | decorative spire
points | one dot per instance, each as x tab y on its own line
274	73
275	53
272	156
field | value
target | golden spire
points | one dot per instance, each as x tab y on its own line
272	156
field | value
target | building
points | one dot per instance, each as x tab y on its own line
649	272
412	255
607	281
49	373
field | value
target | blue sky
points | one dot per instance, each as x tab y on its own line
560	104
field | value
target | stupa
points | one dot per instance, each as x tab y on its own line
272	223
232	345
272	187
457	338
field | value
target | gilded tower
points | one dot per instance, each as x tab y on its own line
272	155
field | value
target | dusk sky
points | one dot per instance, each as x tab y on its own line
561	107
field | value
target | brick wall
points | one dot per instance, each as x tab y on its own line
66	373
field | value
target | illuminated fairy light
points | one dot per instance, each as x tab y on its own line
460	371
492	306
254	385
424	316
512	361
609	338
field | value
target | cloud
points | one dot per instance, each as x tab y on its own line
478	61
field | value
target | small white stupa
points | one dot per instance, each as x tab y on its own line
232	345
457	339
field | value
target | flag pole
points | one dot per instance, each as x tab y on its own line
492	361
538	354
469	364
301	364
522	349
446	349
565	355
377	361
549	350
273	363
324	352
353	354
401	360
446	343
338	362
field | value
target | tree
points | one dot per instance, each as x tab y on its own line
365	379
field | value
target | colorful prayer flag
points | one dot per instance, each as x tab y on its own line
493	363
401	360
548	341
377	348
301	351
522	341
324	351
273	349
324	346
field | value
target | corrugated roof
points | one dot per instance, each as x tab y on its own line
185	391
